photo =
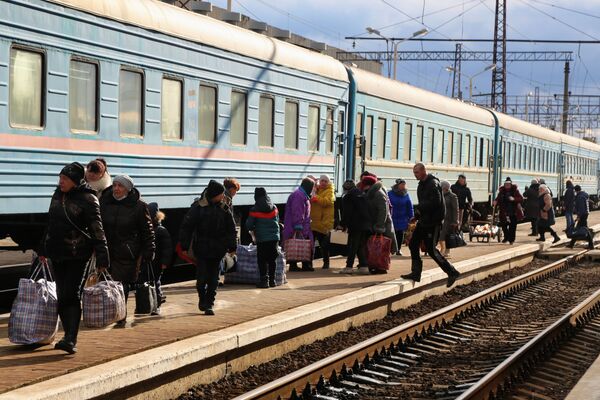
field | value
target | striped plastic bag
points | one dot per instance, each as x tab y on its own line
103	303
34	314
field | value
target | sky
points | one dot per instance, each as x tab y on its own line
330	21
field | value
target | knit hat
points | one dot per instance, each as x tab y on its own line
534	182
400	180
508	180
307	185
325	177
368	180
75	172
214	189
348	185
577	188
125	181
445	184
259	192
153	209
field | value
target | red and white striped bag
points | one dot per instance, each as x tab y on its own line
298	249
34	313
103	303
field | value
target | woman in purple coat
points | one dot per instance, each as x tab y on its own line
297	218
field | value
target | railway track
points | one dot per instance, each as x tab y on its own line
462	350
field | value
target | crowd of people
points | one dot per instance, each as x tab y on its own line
94	216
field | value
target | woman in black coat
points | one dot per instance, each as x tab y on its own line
129	231
74	232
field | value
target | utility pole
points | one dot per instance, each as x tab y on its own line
565	113
229	5
536	104
498	98
456	88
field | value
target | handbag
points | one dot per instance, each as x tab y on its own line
298	249
34	313
103	303
379	252
146	301
454	240
578	232
338	237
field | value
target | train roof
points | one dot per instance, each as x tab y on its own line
390	89
158	16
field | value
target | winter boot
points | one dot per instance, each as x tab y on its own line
263	283
556	237
416	269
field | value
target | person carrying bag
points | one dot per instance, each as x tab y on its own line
103	302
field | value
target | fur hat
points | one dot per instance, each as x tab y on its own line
259	192
368	180
214	189
75	172
508	180
125	181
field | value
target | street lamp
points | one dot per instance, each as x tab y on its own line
488	68
416	34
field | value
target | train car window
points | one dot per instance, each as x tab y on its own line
26	88
238	118
430	144
475	151
481	152
490	152
419	150
313	128
131	89
439	151
171	100
514	155
467	158
265	121
407	141
341	122
83	89
459	148
207	114
369	137
291	125
329	131
381	128
395	139
450	159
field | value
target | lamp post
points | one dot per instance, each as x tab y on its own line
416	34
488	68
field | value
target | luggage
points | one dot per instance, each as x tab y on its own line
247	267
298	249
338	237
379	249
578	232
103	303
146	300
454	240
34	314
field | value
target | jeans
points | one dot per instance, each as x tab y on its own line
569	218
266	254
207	280
429	235
356	247
323	239
68	276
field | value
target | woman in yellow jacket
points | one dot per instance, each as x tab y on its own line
321	215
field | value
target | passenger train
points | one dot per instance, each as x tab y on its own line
174	99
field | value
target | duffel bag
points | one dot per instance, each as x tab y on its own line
454	240
34	314
578	232
379	249
103	303
246	271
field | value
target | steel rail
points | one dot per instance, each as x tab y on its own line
301	380
501	378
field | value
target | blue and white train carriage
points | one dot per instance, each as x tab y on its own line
174	99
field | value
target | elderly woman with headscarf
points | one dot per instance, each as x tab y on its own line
74	232
296	220
450	224
129	231
321	215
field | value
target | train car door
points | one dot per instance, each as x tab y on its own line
359	144
338	146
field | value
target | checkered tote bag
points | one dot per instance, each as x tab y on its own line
298	249
34	313
103	303
246	270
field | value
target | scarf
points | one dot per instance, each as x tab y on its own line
101	183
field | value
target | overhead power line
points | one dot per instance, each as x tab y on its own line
557	41
511	56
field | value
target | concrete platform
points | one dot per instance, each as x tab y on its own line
588	387
251	326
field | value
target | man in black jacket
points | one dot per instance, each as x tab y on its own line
211	225
355	219
431	211
465	200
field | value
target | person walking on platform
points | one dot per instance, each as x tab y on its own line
356	220
546	215
379	209
212	228
164	252
321	215
465	199
451	220
402	210
97	176
431	213
509	201
569	203
129	232
264	222
296	220
232	186
532	206
74	232
582	210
